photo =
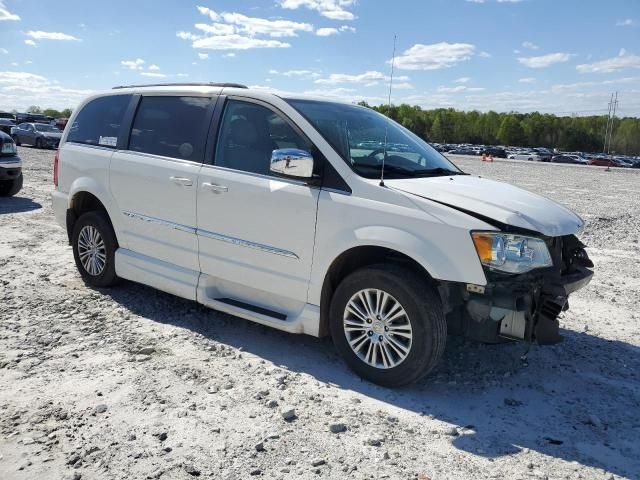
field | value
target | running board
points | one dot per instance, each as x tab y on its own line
253	308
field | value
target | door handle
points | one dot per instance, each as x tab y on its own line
215	188
187	182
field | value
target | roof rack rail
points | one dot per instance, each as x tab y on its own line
209	84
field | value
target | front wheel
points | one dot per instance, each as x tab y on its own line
39	143
9	188
94	247
16	140
388	324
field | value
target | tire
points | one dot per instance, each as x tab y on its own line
39	143
8	188
16	140
423	313
84	238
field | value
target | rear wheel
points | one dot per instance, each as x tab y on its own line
94	246
8	188
387	323
39	143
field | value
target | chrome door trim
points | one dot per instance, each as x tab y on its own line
246	243
159	221
213	235
291	181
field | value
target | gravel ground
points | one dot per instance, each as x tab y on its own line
134	383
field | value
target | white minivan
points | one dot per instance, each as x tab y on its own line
312	217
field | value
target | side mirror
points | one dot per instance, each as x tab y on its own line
292	162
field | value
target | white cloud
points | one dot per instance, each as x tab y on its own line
203	56
484	55
462	80
5	14
296	73
4	51
369	78
136	64
325	32
40	35
434	57
153	74
560	88
20	89
403	86
30	42
621	62
530	45
459	89
229	55
236	42
154	67
333	9
347	28
527	80
235	31
627	22
544	61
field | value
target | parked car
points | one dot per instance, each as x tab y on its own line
462	151
33	118
572	159
38	134
10	167
495	151
284	224
6	125
607	162
530	156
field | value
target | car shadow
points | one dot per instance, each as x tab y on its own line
17	205
578	401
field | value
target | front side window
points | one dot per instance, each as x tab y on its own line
367	140
43	127
173	127
249	133
99	121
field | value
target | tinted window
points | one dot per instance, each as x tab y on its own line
249	133
99	121
171	126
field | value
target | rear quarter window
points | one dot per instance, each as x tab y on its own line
99	122
171	126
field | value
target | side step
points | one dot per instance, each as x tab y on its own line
253	308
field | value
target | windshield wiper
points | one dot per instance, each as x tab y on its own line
438	171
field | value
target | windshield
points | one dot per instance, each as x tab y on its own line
41	127
358	134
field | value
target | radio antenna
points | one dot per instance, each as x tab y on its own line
386	129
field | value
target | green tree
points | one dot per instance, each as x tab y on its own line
511	131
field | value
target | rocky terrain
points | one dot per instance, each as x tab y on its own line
132	383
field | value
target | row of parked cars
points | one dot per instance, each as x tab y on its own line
541	155
34	129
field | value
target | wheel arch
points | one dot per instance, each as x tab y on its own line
83	199
355	258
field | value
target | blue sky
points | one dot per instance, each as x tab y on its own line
556	56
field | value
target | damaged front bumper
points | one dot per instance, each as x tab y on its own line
521	307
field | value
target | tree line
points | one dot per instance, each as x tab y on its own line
49	112
574	134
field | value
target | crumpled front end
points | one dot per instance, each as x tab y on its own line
520	307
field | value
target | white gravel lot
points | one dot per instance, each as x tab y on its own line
132	383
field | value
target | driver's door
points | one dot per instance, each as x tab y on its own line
256	230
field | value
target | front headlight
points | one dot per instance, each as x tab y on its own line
9	147
511	253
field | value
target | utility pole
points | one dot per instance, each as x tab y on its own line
613	118
606	130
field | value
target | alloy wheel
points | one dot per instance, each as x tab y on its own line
377	328
91	250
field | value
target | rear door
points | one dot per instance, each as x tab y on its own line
154	179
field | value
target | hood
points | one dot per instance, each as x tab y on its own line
495	200
52	135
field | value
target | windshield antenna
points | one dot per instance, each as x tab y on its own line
386	128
